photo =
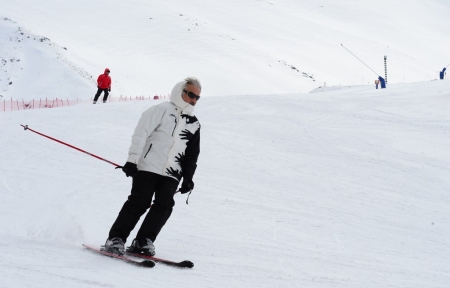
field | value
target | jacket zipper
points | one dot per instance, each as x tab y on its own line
167	161
148	149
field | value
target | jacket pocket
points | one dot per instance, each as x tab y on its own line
148	149
175	127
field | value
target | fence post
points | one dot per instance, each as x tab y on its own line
385	68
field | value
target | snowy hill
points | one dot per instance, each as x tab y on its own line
242	47
344	187
33	67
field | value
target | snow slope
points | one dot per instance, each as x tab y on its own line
347	188
33	67
243	47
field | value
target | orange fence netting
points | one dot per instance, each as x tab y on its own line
16	105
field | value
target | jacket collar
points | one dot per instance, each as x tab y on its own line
175	98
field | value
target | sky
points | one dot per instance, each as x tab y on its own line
346	186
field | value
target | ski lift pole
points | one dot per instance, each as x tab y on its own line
25	127
359	60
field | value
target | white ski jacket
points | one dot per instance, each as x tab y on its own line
166	140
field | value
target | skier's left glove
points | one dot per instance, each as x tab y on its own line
130	169
109	89
187	186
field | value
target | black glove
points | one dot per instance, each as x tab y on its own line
109	89
187	186
130	169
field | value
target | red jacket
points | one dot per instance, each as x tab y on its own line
104	81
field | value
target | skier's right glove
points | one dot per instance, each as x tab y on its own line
130	169
187	186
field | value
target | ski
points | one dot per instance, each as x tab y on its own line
145	263
182	264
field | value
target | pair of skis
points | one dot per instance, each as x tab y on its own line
148	262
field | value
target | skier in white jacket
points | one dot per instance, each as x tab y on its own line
164	149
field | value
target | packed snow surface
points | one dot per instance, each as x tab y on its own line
347	188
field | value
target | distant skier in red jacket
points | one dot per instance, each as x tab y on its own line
103	85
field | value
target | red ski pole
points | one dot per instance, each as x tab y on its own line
93	155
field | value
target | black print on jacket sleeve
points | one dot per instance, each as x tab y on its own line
189	119
172	172
186	135
179	158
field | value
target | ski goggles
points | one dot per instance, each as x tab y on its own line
191	95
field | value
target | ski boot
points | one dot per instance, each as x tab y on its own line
142	246
114	246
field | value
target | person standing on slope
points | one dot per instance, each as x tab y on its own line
442	73
164	148
376	83
382	82
103	85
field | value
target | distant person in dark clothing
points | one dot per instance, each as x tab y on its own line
103	85
442	74
382	82
376	83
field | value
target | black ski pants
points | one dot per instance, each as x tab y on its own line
99	91
145	185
